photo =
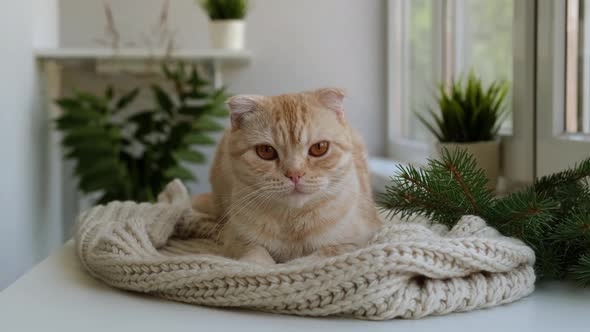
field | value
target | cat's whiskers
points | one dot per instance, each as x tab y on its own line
241	199
221	219
252	198
240	205
241	191
254	203
263	199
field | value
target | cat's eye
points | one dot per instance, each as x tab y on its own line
266	152
319	149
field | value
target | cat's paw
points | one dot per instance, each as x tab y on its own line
325	252
335	250
257	260
313	258
257	255
175	193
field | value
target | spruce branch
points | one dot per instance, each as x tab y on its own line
581	271
548	263
443	191
411	193
521	214
552	216
466	176
576	228
546	184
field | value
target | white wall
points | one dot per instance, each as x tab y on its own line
297	45
22	130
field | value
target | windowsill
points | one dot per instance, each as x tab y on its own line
381	170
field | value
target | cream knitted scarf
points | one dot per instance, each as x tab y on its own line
409	270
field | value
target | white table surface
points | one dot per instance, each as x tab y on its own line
57	295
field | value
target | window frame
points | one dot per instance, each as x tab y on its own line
556	149
518	146
399	146
586	66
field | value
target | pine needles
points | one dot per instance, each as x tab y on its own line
552	216
444	191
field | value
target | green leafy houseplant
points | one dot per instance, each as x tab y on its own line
225	9
467	111
131	155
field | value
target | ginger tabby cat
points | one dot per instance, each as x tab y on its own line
290	179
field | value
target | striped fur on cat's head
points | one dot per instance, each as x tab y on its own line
296	148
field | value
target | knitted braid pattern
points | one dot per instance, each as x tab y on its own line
409	270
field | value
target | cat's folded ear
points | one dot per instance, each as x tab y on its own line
240	106
331	98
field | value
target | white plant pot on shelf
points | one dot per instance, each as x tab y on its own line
486	154
227	34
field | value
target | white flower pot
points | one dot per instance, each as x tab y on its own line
227	34
486	154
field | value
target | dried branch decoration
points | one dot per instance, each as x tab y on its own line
159	37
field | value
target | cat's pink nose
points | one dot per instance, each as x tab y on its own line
295	176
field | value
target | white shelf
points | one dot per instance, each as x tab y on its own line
141	61
142	55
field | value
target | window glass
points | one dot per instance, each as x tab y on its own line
487	42
420	66
481	39
577	70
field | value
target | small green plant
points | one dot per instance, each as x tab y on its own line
467	112
129	154
225	9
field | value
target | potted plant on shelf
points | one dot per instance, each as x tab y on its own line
226	25
469	117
